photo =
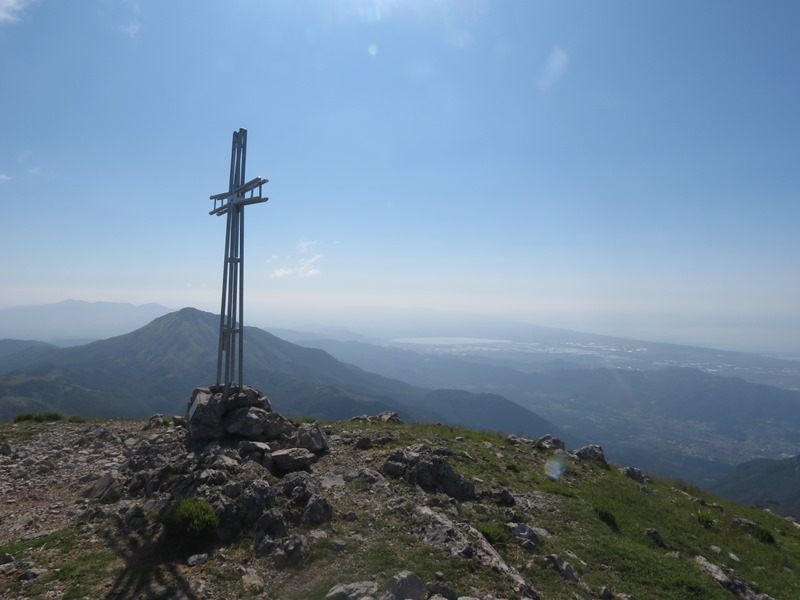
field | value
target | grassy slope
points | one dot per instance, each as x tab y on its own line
612	551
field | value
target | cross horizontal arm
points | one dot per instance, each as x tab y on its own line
242	189
221	210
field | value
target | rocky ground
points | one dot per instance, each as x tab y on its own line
43	476
366	509
105	478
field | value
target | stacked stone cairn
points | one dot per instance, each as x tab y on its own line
235	446
246	415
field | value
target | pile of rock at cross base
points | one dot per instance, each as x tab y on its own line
246	414
233	444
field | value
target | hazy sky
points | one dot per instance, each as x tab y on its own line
628	167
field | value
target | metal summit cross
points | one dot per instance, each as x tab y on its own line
231	315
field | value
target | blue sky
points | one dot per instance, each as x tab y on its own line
619	167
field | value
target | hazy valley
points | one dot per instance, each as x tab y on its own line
676	411
492	483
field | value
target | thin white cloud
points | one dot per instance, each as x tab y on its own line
4	178
11	10
372	11
134	25
457	17
132	28
554	68
302	269
306	245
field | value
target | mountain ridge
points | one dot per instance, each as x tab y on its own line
772	484
674	421
142	372
64	322
670	421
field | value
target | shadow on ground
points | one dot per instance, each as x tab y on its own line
154	567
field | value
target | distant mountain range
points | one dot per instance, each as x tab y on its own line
681	422
540	349
74	322
662	408
154	369
765	483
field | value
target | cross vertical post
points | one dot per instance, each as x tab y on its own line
230	354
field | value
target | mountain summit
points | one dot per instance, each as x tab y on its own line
152	368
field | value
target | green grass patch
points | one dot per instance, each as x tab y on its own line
85	572
191	518
706	519
76	571
555	487
494	532
42	417
63	538
301	420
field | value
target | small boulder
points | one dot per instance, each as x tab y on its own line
524	533
246	421
633	473
517	440
389	416
277	427
32	574
367	475
292	459
503	497
317	511
438	588
352	591
197	559
591	453
157	420
363	443
311	437
299	487
204	415
291	553
548	442
270	528
729	580
106	489
561	566
428	468
404	586
245	395
249	447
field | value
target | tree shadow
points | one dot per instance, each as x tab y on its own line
152	564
